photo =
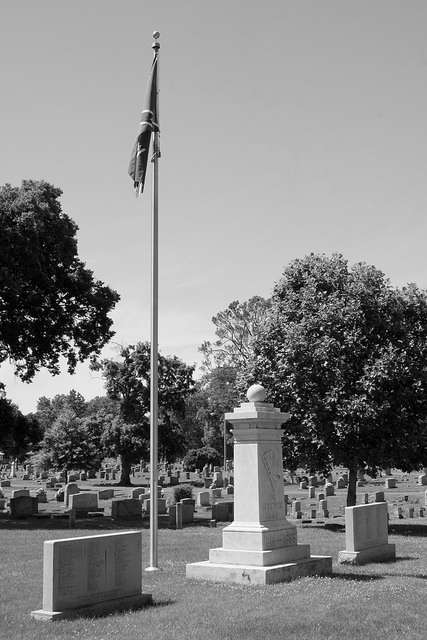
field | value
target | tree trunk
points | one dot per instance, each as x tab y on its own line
125	471
352	483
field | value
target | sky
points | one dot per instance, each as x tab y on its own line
287	127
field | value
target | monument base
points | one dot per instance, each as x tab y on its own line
380	553
251	574
96	608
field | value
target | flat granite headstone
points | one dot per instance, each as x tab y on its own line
366	535
92	575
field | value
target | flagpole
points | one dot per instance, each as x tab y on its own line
154	378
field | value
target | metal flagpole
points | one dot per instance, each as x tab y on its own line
154	379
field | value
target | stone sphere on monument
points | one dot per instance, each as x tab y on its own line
256	393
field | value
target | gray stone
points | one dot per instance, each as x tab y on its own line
70	489
92	575
126	508
85	501
23	507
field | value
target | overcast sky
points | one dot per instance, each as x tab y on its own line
287	127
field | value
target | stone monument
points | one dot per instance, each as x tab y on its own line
260	546
366	535
92	575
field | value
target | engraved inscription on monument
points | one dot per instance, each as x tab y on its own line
66	570
96	565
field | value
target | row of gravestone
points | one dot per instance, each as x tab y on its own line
100	573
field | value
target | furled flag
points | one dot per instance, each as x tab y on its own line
149	123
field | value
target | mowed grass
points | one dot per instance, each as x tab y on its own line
386	600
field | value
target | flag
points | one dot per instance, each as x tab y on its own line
149	123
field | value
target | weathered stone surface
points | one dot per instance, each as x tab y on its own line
92	574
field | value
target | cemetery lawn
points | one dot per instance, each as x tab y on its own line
386	600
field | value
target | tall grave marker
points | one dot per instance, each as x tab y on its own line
260	546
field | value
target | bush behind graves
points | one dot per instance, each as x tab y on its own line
182	491
198	458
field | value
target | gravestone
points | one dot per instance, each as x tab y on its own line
23	507
161	506
70	489
229	490
260	546
17	493
217	478
84	502
92	575
105	494
187	513
135	493
223	511
366	535
329	489
341	483
390	483
202	499
126	508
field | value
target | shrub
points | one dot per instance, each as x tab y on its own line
183	491
197	458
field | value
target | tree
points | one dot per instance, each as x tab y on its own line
50	303
236	328
128	382
48	411
218	395
18	433
345	354
70	443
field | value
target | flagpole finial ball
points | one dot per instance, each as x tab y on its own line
256	393
156	35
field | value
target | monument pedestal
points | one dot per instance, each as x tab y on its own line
260	546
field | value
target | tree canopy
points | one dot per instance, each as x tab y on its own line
346	354
50	303
236	327
18	433
127	381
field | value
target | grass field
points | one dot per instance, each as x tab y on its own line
386	600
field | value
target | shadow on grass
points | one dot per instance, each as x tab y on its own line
408	529
357	577
103	524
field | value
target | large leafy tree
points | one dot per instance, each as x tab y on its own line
127	381
50	303
18	433
346	354
72	442
48	410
